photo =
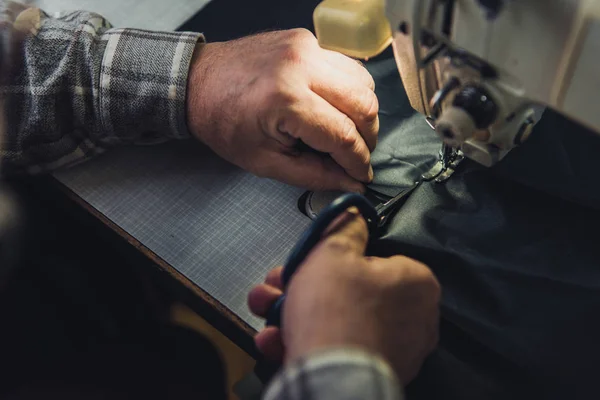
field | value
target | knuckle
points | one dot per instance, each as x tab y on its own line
360	235
367	78
294	48
339	244
350	140
371	107
348	135
302	34
285	99
278	92
365	159
416	277
291	53
426	281
363	231
370	81
363	155
351	240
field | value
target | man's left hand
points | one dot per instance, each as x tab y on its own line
253	100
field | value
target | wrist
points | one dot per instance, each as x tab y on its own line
197	90
299	351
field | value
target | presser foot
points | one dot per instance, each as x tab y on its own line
449	160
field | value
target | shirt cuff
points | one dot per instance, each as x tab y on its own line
143	84
336	374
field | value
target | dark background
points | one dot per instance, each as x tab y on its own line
230	19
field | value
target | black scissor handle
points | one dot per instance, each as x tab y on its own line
313	235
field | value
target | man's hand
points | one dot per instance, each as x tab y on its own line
339	298
254	99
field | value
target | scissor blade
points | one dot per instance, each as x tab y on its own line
385	210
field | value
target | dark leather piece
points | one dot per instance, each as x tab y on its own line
515	249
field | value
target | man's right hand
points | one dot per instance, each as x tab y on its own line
339	298
254	99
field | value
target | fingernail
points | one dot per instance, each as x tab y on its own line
371	173
353	210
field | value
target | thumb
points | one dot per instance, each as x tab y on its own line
269	342
315	172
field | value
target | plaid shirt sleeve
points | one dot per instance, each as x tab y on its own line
81	87
335	375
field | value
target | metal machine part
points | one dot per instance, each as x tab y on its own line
483	71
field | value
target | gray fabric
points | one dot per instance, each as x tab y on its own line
407	146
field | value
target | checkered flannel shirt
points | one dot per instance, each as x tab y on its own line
76	87
81	87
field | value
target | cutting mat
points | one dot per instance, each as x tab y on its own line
219	226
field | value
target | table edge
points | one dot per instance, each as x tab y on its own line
156	259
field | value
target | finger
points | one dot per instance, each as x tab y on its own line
270	344
274	278
350	234
346	93
356	101
261	298
310	171
324	128
340	221
350	66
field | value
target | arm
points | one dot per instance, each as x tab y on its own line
336	374
81	87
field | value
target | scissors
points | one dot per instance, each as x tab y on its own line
376	217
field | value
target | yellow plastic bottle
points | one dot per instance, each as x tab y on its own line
356	28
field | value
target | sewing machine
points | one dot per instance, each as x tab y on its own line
481	71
